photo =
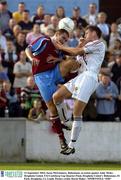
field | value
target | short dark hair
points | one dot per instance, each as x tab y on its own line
96	29
76	8
22	3
108	74
62	31
93	4
26	11
3	2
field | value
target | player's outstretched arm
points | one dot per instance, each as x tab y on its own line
71	51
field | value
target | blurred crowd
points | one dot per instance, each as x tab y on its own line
19	96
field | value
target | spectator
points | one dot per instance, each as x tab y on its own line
3	75
113	35
5	15
1	54
45	25
8	33
12	101
25	23
104	27
110	60
60	12
16	30
20	43
91	17
90	112
28	95
37	113
105	61
108	64
50	32
10	57
3	42
118	22
106	94
118	113
3	100
22	70
116	69
54	23
76	16
72	42
31	36
39	16
116	50
17	15
79	33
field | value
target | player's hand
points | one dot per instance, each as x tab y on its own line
58	45
52	59
81	42
35	62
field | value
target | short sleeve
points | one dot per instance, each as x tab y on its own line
39	45
92	47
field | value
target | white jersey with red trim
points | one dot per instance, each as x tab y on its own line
93	57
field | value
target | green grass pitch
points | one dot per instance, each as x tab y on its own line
59	166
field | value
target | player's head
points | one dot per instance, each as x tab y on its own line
92	33
62	35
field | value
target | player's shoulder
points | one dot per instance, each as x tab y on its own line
102	45
97	44
41	38
40	42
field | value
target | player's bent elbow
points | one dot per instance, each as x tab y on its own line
55	98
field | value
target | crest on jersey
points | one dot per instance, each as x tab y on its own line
76	88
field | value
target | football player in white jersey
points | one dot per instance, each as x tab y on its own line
80	88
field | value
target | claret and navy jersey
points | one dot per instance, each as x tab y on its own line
47	73
42	48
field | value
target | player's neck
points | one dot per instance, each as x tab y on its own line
95	39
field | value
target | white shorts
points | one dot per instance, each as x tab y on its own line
83	86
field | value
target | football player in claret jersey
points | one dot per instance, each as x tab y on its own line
90	56
49	70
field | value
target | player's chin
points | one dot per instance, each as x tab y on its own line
88	39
